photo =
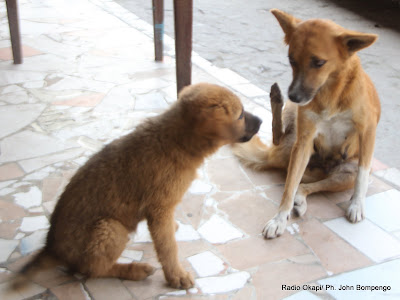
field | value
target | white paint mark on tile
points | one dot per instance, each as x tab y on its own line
33	242
186	233
368	238
218	231
29	199
206	264
132	255
223	284
200	187
6	248
30	224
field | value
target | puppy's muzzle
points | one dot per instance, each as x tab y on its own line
252	125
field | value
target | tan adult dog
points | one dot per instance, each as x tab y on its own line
328	139
142	175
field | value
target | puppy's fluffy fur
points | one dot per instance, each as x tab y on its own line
142	175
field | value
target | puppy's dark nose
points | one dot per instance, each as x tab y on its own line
294	97
252	124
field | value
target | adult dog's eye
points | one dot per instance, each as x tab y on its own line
241	115
317	63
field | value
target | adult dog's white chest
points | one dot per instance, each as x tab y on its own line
332	128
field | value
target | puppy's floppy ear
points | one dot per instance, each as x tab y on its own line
354	41
287	22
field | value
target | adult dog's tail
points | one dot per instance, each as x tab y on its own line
253	154
42	261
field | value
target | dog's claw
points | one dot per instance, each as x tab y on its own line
182	280
276	226
355	212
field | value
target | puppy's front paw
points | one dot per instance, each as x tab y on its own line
180	279
276	226
355	212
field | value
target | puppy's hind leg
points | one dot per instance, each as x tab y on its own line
107	241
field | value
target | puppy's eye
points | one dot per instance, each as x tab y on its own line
292	61
241	115
317	63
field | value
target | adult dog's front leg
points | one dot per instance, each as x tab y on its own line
356	210
162	227
299	158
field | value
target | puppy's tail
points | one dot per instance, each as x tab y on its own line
253	154
41	261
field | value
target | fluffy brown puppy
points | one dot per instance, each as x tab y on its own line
142	175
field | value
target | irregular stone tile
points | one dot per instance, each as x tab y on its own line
10	211
218	231
186	249
151	101
284	273
30	291
78	83
226	174
377	165
6	248
132	254
28	144
192	206
117	100
336	255
269	177
303	295
50	205
152	285
30	224
51	277
200	187
186	233
11	89
275	193
10	171
246	293
6	53
33	242
8	230
74	290
368	238
5	275
206	264
385	274
223	284
249	90
391	175
249	210
29	199
15	117
18	98
32	164
254	251
17	76
109	288
88	100
321	207
376	186
40	174
51	187
90	144
383	209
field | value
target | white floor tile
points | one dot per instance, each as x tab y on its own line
222	284
218	231
206	264
385	275
383	209
368	238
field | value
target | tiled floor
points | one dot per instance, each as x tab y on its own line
88	77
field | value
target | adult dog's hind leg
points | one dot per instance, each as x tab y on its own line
340	179
276	107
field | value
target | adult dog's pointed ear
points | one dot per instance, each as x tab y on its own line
287	22
354	41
